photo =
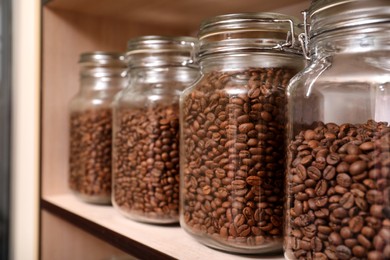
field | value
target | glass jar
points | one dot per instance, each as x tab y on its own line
338	174
146	128
232	137
102	75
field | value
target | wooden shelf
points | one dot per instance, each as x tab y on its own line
141	240
168	13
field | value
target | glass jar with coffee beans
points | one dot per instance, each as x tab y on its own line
102	75
146	128
338	174
232	132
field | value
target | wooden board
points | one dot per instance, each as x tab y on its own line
134	237
178	14
65	36
63	241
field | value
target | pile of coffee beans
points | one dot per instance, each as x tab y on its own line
146	163
90	155
233	157
338	192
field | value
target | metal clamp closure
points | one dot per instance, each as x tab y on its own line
290	39
304	37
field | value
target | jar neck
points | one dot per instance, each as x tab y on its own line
239	62
359	39
175	77
89	84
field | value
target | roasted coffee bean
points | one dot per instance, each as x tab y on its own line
90	155
146	165
335	239
329	172
314	173
358	167
359	251
346	196
343	252
344	180
247	157
347	200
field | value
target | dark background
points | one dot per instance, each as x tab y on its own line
5	123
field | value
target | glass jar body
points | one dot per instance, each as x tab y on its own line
232	128
90	138
338	174
146	144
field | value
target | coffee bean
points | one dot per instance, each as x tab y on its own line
340	212
376	211
301	172
314	173
90	155
364	241
329	172
356	224
359	251
358	167
352	215
367	146
333	159
320	256
307	160
353	149
344	180
368	232
350	242
246	157
321	188
146	184
342	167
335	239
343	252
253	180
347	200
346	232
331	254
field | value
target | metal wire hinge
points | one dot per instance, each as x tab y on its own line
304	37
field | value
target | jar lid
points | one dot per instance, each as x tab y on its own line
248	32
103	59
329	15
157	51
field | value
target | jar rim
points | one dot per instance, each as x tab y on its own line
245	32
159	51
244	21
157	43
329	15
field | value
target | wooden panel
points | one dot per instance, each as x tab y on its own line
179	14
63	241
65	36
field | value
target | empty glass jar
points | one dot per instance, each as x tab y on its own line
232	132
102	75
338	176
146	128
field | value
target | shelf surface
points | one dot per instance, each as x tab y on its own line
136	238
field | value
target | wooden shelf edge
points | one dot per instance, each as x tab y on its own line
144	241
124	243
